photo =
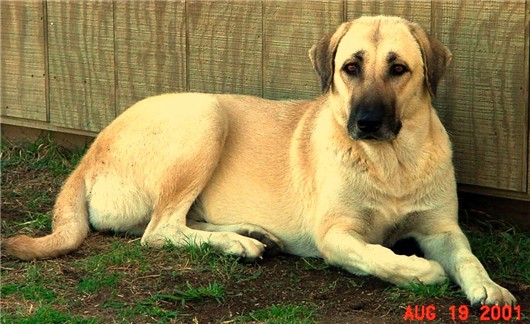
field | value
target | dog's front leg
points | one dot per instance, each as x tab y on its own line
450	247
342	246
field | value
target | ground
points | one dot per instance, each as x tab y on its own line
111	278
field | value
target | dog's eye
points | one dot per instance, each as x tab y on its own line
352	69
398	69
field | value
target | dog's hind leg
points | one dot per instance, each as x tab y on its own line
190	167
168	221
273	245
170	228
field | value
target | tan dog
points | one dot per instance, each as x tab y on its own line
339	177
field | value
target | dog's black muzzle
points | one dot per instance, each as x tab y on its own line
374	119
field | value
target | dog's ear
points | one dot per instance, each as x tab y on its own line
436	57
322	55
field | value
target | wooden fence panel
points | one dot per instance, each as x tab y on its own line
482	100
70	66
151	49
225	46
290	29
23	60
81	64
418	11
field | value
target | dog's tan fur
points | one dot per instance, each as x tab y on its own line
241	172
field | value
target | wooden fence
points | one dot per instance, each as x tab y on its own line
72	66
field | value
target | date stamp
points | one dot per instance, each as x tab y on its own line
462	313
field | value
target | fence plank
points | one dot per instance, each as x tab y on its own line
482	100
290	29
225	46
418	11
150	49
81	64
23	60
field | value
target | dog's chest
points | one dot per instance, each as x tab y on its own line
384	201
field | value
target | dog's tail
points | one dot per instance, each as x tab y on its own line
70	225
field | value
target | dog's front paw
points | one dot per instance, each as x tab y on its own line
405	270
488	292
435	275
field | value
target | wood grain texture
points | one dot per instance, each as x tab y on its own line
150	49
527	92
418	11
102	53
290	29
482	100
81	64
22	49
225	46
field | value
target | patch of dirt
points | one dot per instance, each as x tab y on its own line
339	297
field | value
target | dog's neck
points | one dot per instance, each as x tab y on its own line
406	151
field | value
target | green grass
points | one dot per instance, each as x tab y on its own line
33	285
33	222
94	283
48	315
213	291
280	314
315	264
42	154
117	278
506	252
118	253
416	291
149	308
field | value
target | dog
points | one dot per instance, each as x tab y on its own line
341	177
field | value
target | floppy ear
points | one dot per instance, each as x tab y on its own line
322	55
436	57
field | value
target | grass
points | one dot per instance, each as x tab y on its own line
48	315
418	291
113	278
40	155
282	314
213	291
507	250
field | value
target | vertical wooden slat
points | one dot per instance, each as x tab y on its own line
225	46
290	29
23	64
527	90
482	100
150	49
81	64
418	11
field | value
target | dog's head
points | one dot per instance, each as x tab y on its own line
380	70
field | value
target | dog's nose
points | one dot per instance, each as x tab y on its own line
369	125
